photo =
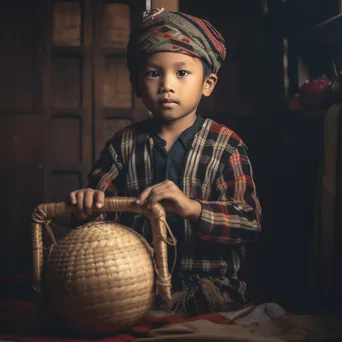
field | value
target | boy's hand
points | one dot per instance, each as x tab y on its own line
84	199
172	198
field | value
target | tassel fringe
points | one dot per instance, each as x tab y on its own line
200	296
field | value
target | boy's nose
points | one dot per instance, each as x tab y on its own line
166	85
163	90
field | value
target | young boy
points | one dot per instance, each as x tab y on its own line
198	169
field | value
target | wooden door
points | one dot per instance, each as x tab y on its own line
115	105
87	91
65	90
67	96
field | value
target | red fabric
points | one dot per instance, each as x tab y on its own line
148	323
118	338
16	279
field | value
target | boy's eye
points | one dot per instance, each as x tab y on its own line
182	73
152	74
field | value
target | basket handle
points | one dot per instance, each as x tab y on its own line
46	211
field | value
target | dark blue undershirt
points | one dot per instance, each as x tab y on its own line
169	165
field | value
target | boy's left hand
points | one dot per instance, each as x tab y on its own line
172	198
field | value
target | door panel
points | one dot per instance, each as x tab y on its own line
65	82
117	89
63	131
67	96
69	179
116	25
115	104
67	24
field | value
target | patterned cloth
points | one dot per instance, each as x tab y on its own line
255	313
162	30
266	322
217	173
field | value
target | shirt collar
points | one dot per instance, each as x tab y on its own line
185	136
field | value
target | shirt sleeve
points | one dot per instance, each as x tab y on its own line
103	177
235	216
105	171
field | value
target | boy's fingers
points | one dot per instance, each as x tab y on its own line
88	201
72	197
152	190
160	194
99	199
79	201
143	196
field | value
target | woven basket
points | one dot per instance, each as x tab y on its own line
102	276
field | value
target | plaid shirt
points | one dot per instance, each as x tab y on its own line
217	173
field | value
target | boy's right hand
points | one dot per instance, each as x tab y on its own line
84	199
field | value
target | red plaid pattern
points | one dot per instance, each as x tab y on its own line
217	172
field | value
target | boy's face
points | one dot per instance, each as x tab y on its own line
172	84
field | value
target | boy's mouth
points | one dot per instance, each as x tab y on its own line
168	100
168	103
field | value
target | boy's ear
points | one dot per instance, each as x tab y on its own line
209	84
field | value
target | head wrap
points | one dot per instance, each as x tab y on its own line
165	31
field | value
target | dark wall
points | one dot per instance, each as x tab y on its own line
285	147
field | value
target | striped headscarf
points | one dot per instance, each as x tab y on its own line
165	31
